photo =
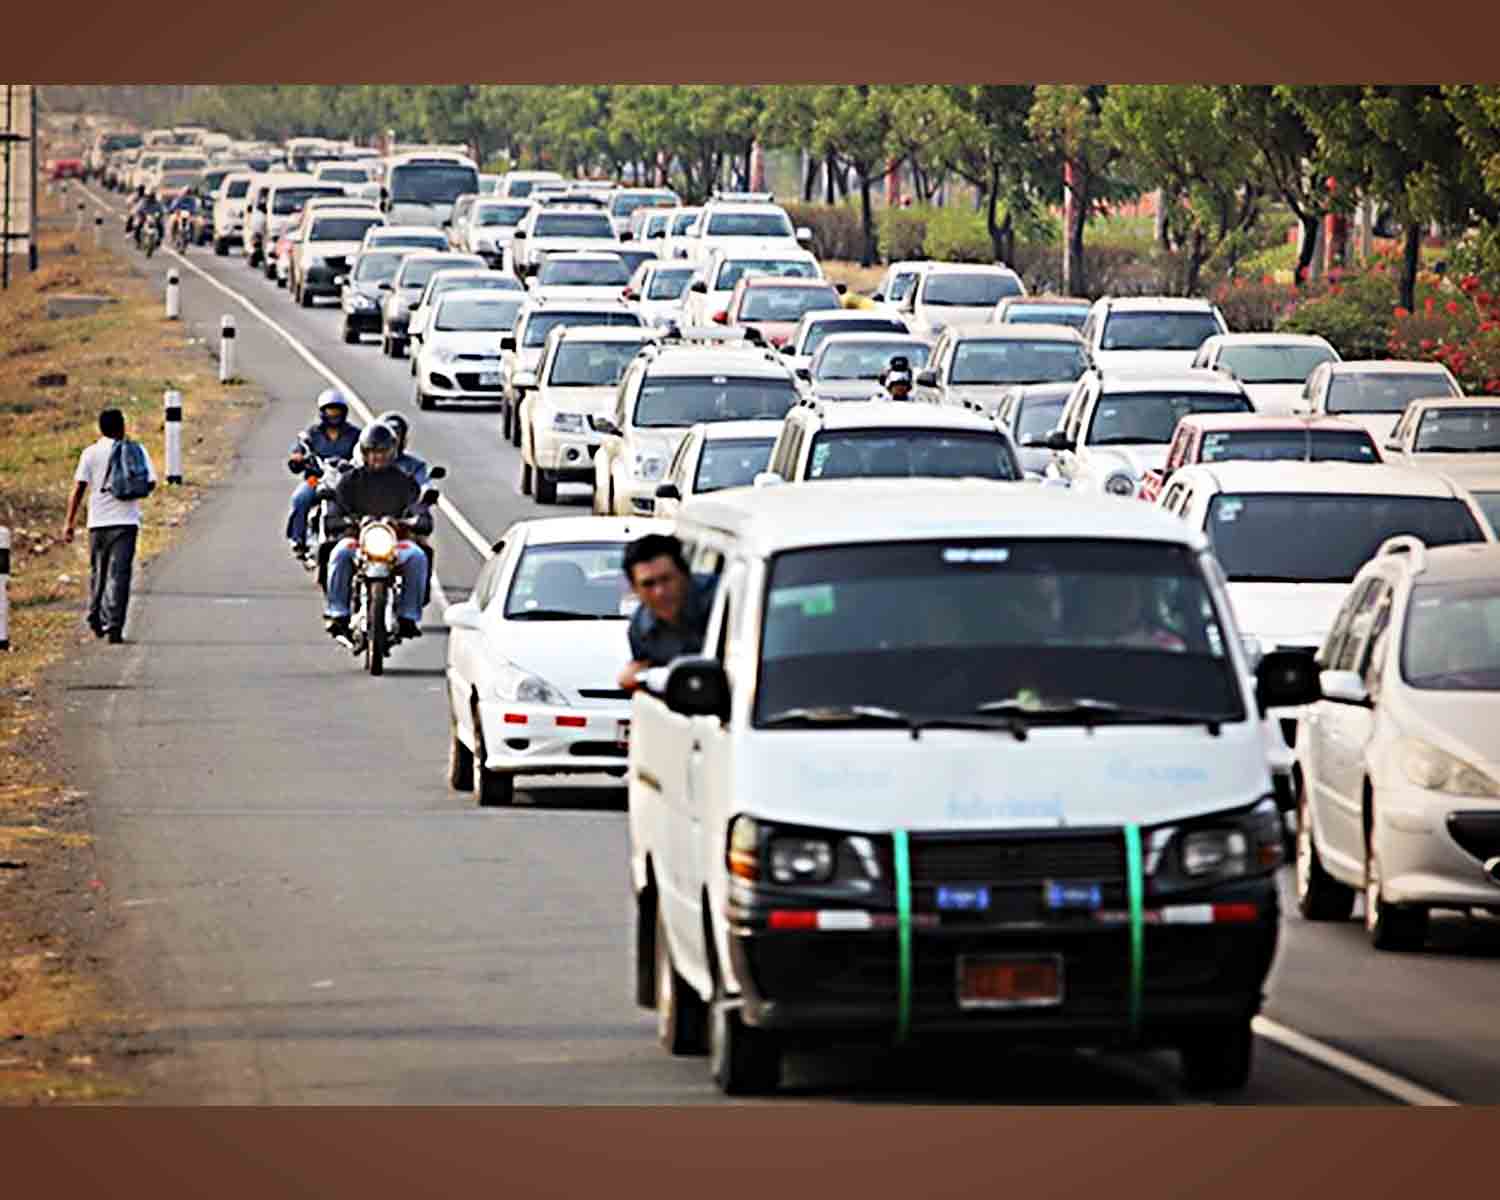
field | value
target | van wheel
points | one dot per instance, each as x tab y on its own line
1396	927
525	478
1320	897
385	344
349	335
744	1061
645	948
1218	1059
505	420
546	487
681	1025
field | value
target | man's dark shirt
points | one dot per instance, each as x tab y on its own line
658	643
388	493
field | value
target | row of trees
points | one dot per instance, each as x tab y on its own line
1220	155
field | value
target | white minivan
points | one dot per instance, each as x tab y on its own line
958	757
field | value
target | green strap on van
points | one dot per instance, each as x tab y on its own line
1135	892
903	935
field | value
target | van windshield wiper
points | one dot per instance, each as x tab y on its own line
1090	712
861	714
553	614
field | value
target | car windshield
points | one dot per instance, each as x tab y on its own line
478	315
682	222
817	331
341	229
432	183
1073	316
1383	391
579	581
946	628
500	214
1158	330
591	364
669	283
1459	431
573	224
1274	364
345	174
868	360
904	453
490	281
1151	417
669	402
785	303
377	266
1276	445
237	189
1452	637
1489	504
769	224
289	200
1011	361
625	203
1249	532
416	272
602	272
732	269
540	324
412	241
901	284
731	462
1039	415
968	289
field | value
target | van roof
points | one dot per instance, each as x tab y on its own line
894	414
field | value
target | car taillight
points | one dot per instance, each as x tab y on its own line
721	318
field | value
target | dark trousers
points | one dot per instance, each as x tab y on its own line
111	556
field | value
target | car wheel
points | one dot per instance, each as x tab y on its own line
546	487
398	347
515	425
304	298
525	478
1218	1059
1320	897
645	949
681	1015
221	247
494	789
505	419
349	335
424	401
744	1061
1395	927
385	344
460	760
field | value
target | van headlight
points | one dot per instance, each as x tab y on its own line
1120	483
567	422
1213	849
761	853
1438	771
378	543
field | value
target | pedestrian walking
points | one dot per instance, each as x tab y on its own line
115	473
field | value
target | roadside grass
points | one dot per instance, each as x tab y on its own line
126	355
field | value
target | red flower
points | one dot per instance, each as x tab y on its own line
1451	308
1469	282
1400	312
1427	306
1336	290
1266	280
1484	298
1427	343
1493	387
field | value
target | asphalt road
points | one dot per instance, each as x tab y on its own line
317	919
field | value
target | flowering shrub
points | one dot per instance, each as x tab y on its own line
1353	311
1254	305
1458	329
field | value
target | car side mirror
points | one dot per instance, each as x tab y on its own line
877	296
438	473
508	342
518	234
927	379
698	286
841	288
668	491
767	479
387	286
431	496
804	234
804	373
462	616
1286	679
627	236
524	380
1345	687
1056	440
697	687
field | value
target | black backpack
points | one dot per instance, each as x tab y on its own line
128	476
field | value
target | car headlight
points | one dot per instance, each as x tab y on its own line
568	422
1438	771
445	356
378	543
758	852
361	301
1225	846
512	683
1120	483
649	467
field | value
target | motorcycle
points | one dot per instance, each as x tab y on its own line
182	232
375	597
151	234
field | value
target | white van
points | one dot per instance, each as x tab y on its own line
959	757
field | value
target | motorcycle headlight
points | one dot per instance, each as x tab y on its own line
649	467
378	543
1213	849
567	422
1120	483
1438	771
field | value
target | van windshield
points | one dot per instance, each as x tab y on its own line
963	627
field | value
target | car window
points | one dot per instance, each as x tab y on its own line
1368	660
1333	646
570	581
731	462
1360	622
489	576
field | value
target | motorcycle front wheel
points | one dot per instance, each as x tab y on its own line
376	633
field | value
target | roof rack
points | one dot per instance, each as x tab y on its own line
727	197
1409	544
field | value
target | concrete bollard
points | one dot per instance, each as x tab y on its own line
80	216
4	588
174	296
226	349
98	232
172	412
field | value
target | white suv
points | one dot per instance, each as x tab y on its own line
755	224
1150	332
957	757
229	211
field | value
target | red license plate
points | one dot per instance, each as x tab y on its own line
994	982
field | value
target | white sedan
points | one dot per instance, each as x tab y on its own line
533	656
459	359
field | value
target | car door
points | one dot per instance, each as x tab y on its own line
1069	464
466	648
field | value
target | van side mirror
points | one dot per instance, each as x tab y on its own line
1345	687
698	286
697	687
668	491
508	341
1286	679
1056	440
927	379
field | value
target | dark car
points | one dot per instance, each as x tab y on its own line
360	294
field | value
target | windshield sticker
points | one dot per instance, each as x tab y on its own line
976	554
815	600
819	457
1228	510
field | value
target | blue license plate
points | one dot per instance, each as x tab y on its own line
970	899
1074	895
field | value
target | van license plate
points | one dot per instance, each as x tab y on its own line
622	733
993	982
963	899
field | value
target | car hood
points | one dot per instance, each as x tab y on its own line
1275	399
1144	360
843	389
588	292
955	779
569	654
1466	469
1298	614
407	213
465	341
1462	723
332	249
956	314
1147	456
596	400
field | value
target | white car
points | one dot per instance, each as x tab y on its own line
1448	432
1273	366
849	366
680	222
756	226
875	807
356	179
581	275
533	654
283	200
1291	535
713	456
1397	768
229	211
449	280
565	399
1149	332
487	230
550	229
656	291
1117	425
517	185
976	363
720	271
815	326
1375	392
957	294
405	237
459	357
625	201
329	241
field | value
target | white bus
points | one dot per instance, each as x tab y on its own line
420	188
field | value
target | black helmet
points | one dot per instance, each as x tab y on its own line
399	425
377	437
333	398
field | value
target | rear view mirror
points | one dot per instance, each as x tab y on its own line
1286	679
698	286
508	342
697	687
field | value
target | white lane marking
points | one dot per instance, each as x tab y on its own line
1357	1069
464	526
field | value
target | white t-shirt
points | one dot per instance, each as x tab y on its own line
93	469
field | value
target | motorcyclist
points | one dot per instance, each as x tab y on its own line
332	436
415	466
378	489
181	212
895	381
149	209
